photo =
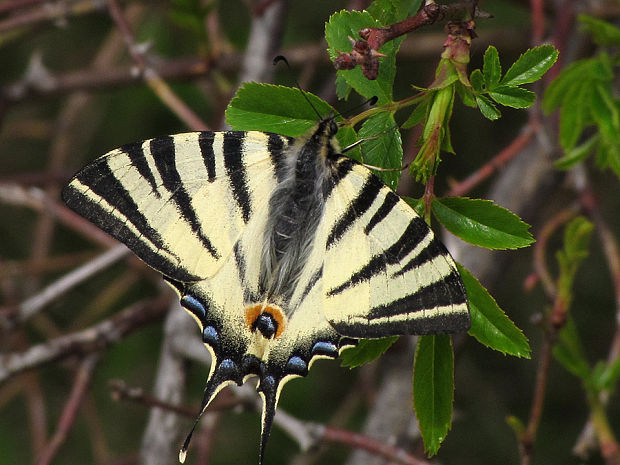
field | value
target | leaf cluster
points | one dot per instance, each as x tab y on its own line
589	110
489	86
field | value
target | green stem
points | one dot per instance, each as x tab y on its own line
606	438
392	107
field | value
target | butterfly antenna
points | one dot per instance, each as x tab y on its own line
280	58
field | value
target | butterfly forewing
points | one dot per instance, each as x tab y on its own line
180	202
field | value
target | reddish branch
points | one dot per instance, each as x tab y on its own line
381	448
497	162
80	387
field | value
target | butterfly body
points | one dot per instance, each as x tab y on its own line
283	250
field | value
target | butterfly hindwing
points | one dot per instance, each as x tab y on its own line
229	307
180	202
385	273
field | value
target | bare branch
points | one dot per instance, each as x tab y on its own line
88	340
36	303
80	387
495	163
50	11
150	76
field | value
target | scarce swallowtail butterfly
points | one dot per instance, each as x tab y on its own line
282	249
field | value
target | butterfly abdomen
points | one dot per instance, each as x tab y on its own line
296	208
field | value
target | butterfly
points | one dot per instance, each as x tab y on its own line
282	249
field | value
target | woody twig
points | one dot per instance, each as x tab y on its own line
365	51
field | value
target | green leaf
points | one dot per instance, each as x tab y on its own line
284	110
489	324
516	424
476	80
347	136
602	32
613	157
345	24
530	66
366	351
418	114
575	113
383	147
609	375
577	154
384	11
514	97
433	388
481	222
569	352
467	94
416	204
576	242
487	108
576	74
604	110
560	86
343	90
492	68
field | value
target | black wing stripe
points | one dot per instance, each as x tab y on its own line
102	181
413	235
119	229
447	291
233	161
390	201
276	147
343	167
367	195
433	250
315	278
241	270
135	152
163	152
205	141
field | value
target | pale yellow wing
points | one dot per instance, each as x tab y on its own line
384	273
180	202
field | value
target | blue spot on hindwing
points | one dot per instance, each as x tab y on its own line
296	365
195	306
325	348
210	336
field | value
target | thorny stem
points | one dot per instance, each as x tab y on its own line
365	51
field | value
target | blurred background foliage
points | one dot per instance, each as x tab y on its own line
47	134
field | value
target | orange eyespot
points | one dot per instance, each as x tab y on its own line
254	311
